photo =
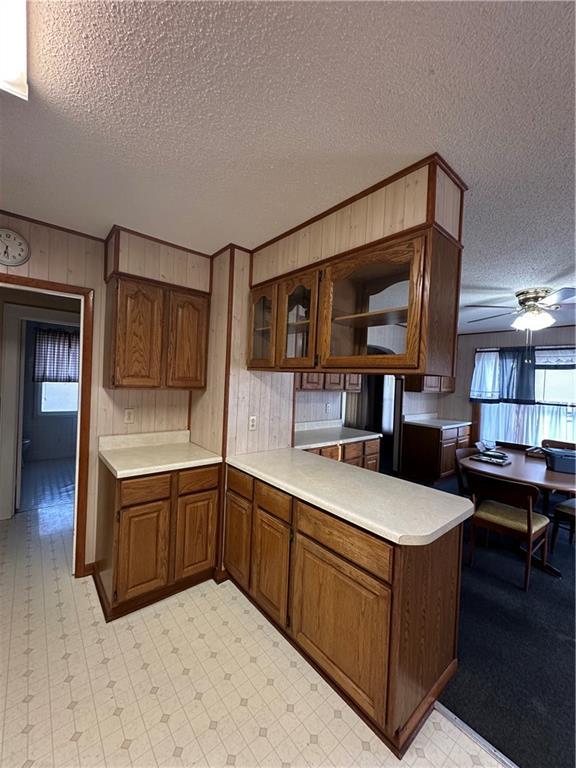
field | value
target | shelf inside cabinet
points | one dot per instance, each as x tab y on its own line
298	326
263	329
392	316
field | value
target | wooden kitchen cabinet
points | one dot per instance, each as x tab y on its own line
238	538
297	313
143	538
390	307
136	336
353	382
355	604
311	381
196	519
429	453
371	308
187	340
155	535
330	452
334	381
432	384
270	564
341	618
158	336
263	327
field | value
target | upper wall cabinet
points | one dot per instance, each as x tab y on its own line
187	340
371	308
157	336
297	312
263	327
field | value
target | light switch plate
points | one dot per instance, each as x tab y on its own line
129	414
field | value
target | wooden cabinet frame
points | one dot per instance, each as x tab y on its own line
310	281
176	355
270	291
411	251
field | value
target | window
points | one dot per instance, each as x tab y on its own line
59	397
526	396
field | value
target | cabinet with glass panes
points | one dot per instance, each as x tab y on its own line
262	351
297	311
371	307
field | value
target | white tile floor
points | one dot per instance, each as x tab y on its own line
200	679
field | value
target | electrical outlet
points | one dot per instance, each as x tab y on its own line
129	415
252	423
327	407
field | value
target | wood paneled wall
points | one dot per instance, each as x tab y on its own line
63	257
311	406
144	257
266	395
457	405
400	205
207	406
448	203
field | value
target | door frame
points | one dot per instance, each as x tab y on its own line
86	296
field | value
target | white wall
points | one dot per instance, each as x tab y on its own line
311	406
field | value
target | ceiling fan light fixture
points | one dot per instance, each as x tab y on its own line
533	319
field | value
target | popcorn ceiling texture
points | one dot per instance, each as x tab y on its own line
205	122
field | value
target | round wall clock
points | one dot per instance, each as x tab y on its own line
14	250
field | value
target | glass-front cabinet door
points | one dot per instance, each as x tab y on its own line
263	327
371	306
297	311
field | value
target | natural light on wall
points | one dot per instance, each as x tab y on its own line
13	68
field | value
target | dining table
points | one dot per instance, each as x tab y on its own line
526	468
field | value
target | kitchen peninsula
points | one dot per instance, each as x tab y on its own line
360	570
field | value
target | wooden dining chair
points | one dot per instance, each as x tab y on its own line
508	507
463	453
565	512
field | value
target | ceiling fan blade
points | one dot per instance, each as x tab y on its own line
557	297
491	317
487	306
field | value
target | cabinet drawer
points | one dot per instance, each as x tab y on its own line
463	431
363	549
313	450
330	452
353	450
272	500
372	448
240	483
200	479
357	461
449	434
139	490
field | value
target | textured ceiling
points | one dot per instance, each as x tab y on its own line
203	123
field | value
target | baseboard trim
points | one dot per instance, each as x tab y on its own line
480	740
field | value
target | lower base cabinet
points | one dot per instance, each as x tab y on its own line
270	564
196	522
428	453
143	541
378	619
156	534
238	538
341	618
363	453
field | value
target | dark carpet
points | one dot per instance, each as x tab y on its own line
516	680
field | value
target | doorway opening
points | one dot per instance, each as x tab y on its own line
45	372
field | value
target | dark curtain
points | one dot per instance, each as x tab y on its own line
56	355
517	375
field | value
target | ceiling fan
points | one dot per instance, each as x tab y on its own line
534	307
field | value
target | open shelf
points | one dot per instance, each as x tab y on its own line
392	316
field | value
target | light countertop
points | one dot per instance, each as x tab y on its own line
397	510
320	438
149	459
437	423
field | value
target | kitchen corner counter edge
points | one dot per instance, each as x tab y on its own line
401	512
149	459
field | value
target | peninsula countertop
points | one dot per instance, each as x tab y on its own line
322	437
149	459
438	423
397	510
